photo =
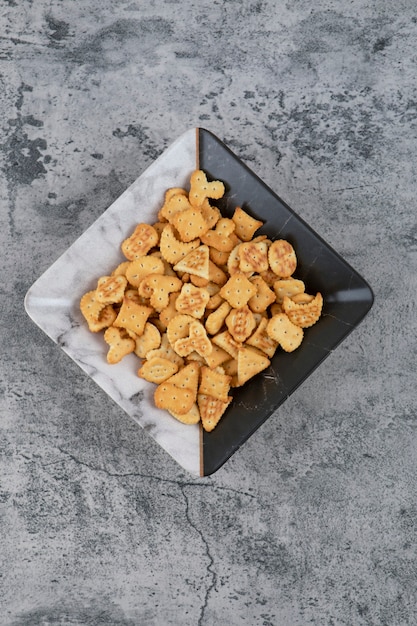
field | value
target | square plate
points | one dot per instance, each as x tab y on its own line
53	300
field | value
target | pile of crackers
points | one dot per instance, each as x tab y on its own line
202	301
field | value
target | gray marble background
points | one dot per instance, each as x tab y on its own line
314	520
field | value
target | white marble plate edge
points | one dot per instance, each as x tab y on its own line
52	302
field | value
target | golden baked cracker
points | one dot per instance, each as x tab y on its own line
149	340
133	294
197	341
283	331
219	237
187	378
287	287
215	297
172	191
269	277
157	288
120	270
282	258
238	290
119	344
198	282
90	306
225	340
192	300
218	257
230	367
192	417
302	298
142	267
215	320
110	289
217	357
195	262
105	318
246	226
159	226
172	249
304	314
216	274
190	224
213	383
143	238
253	257
263	297
133	316
166	315
157	370
233	262
275	308
166	351
200	188
250	363
176	203
240	323
211	410
168	396
179	327
210	213
261	340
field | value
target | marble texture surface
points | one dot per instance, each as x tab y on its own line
314	520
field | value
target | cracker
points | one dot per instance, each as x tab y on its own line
211	410
282	258
192	300
225	340
288	287
240	323
261	340
110	289
304	314
217	357
192	417
200	188
215	320
120	270
210	213
142	267
179	327
119	344
166	315
187	378
190	224
263	297
246	226
253	257
133	316
166	351
143	238
175	203
168	396
238	290
195	262
214	384
157	288
283	331
250	363
157	370
91	307
149	340
197	341
219	237
172	249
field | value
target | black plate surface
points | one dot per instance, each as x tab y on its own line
347	299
